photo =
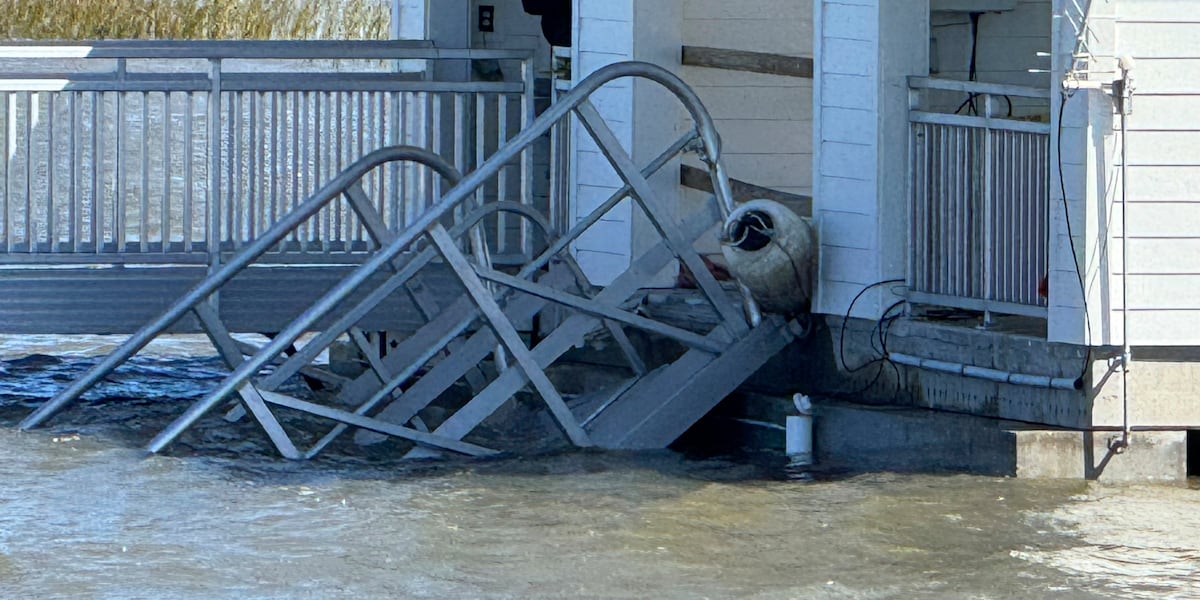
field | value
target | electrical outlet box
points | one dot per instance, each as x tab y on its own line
487	18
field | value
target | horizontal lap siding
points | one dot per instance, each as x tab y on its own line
765	121
1163	149
604	36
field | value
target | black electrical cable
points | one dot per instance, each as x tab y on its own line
846	319
973	72
1062	184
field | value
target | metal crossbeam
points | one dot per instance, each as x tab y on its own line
251	397
611	147
508	335
392	429
598	309
568	334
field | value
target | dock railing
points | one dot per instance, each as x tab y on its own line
166	152
979	197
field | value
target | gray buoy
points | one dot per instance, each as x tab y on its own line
771	250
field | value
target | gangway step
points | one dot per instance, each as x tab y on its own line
660	407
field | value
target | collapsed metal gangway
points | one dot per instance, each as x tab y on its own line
649	408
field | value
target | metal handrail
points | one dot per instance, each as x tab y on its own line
82	108
977	87
239	262
987	93
427	223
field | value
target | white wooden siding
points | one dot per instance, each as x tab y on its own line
865	52
765	121
603	35
1163	149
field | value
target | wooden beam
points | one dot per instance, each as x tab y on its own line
753	62
698	179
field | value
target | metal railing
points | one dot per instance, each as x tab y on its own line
479	302
979	199
161	152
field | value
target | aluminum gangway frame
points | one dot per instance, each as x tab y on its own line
648	409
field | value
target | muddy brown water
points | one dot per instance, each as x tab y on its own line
84	513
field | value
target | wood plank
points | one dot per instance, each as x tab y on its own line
698	179
742	60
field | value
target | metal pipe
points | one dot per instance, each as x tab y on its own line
1124	100
964	370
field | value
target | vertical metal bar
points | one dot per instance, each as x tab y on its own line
989	191
402	192
10	149
381	141
480	138
236	193
528	106
165	211
396	193
439	143
252	178
432	130
75	195
502	175
311	113
213	238
913	232
364	130
318	155
338	227
144	153
277	162
50	164
299	115
97	212
188	175
460	142
30	110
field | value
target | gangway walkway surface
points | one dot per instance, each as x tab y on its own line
470	331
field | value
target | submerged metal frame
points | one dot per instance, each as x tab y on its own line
516	298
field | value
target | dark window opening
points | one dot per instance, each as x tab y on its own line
1193	453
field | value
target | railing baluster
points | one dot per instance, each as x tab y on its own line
252	200
68	190
30	111
97	208
10	149
528	106
188	176
51	161
215	148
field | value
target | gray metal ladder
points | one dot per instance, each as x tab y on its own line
649	410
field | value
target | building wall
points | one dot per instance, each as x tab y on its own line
1163	149
865	51
1163	170
603	35
765	121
